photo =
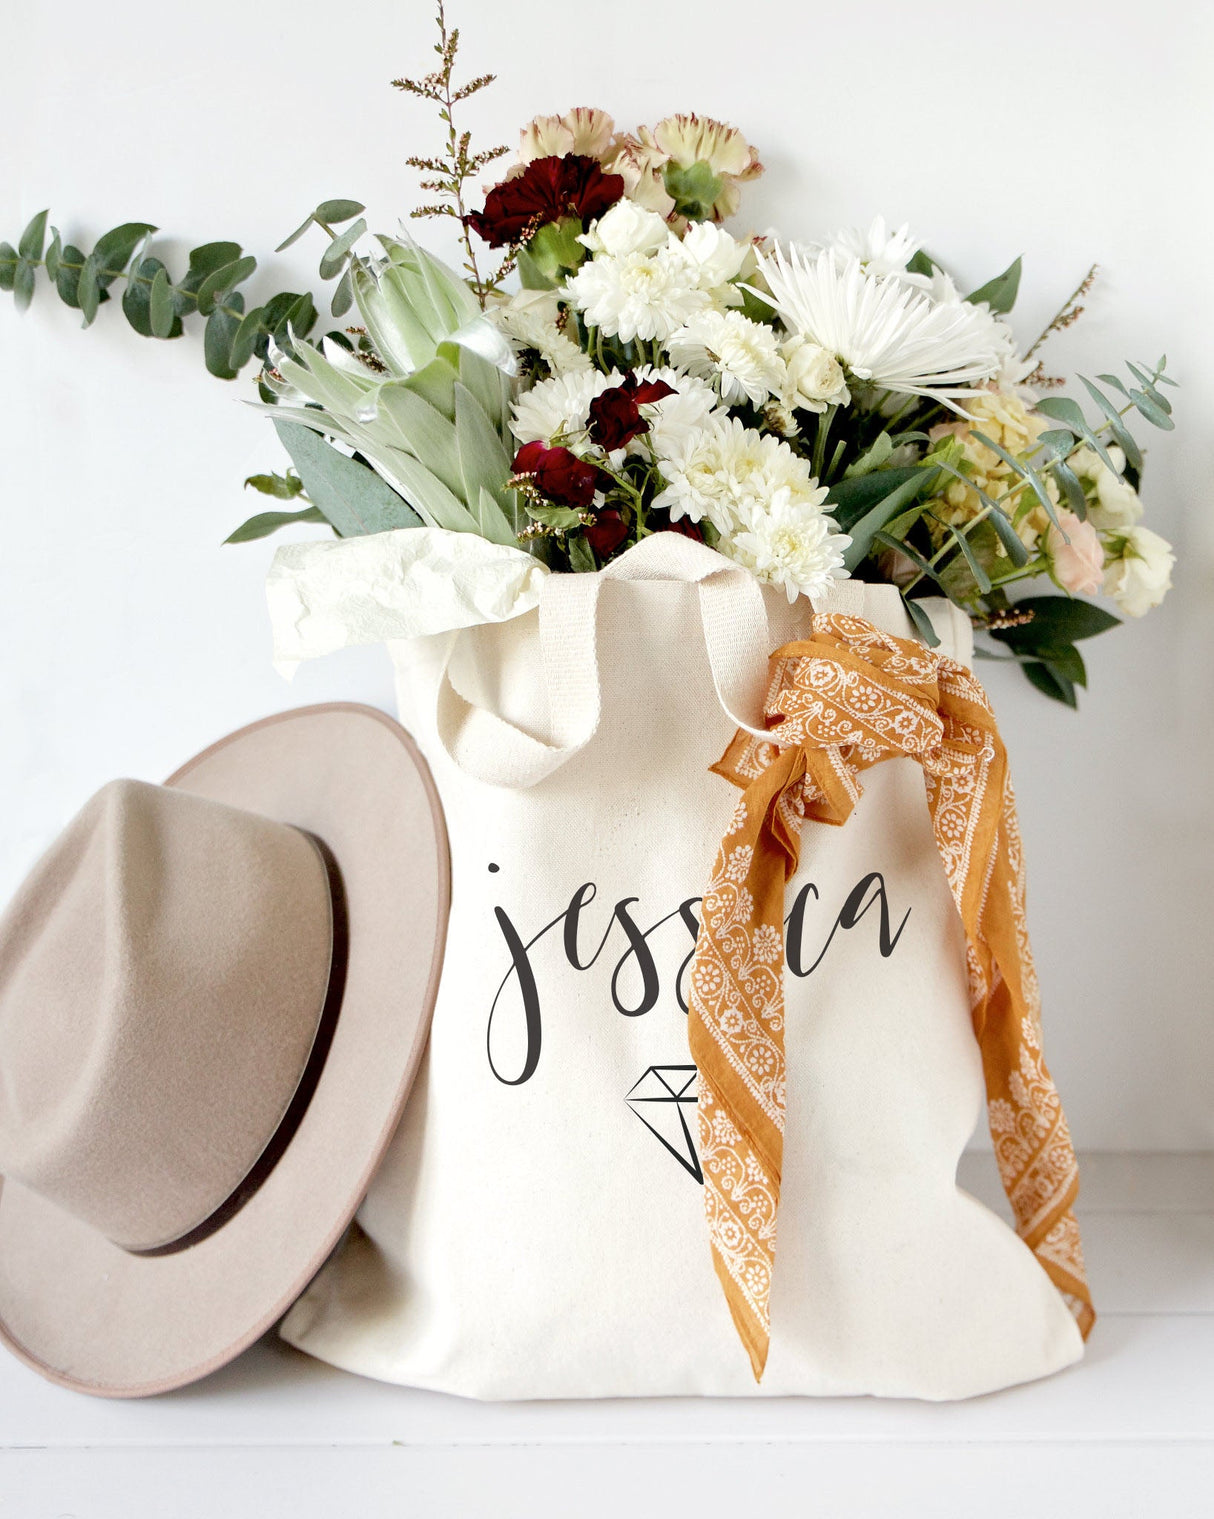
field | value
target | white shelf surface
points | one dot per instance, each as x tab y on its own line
1129	1432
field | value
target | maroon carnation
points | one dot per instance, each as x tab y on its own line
558	474
686	528
546	190
607	532
615	417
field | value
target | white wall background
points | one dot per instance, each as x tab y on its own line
129	638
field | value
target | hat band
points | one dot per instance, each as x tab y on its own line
306	1087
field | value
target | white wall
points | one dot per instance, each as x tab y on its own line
129	638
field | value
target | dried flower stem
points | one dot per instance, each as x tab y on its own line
1069	312
447	175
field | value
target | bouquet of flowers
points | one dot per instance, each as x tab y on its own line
810	411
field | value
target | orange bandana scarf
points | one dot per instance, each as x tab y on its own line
840	702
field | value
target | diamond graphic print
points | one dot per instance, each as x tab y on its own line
661	1099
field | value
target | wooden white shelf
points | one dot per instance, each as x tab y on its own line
1129	1432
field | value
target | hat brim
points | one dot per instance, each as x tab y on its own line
90	1316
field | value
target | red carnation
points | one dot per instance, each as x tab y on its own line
546	190
607	532
558	474
686	528
615	417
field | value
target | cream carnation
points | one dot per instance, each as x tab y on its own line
638	295
790	542
583	130
741	356
1138	572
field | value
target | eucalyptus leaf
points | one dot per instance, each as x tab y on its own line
1147	381
916	558
8	266
343	296
217	338
981	578
878	517
1076	500
53	254
223	280
1008	537
30	243
245	338
922	622
351	496
67	281
266	523
296	235
88	292
23	284
337	211
1154	414
334	256
113	250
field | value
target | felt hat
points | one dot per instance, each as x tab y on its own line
214	995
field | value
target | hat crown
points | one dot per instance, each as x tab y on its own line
163	972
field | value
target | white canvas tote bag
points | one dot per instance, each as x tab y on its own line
538	1230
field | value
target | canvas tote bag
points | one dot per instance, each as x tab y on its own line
538	1227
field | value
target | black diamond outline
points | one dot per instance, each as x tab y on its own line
680	1099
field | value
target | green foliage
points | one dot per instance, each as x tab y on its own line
266	523
1001	292
554	251
349	494
282	487
153	303
1044	645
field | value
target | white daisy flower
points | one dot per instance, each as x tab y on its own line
741	356
726	471
559	409
881	329
637	295
880	251
791	543
530	318
675	420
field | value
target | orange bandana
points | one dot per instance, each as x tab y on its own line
840	702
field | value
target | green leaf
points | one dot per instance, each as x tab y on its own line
1055	686
1000	293
343	296
114	249
136	299
555	250
1065	661
981	579
335	254
873	457
1116	425
29	246
694	189
88	292
1008	537
484	464
8	265
296	235
299	319
337	210
911	553
878	517
266	523
217	339
284	487
1024	470
562	518
530	275
67	281
850	499
1076	500
1057	621
1154	414
53	254
161	316
223	280
23	284
1111	379
1063	409
208	257
581	555
922	622
244	340
350	495
1147	381
921	263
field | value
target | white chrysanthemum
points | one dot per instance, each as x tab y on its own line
674	420
637	295
790	542
559	409
726	470
531	319
879	250
882	329
742	357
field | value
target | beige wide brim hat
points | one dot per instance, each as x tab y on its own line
87	1314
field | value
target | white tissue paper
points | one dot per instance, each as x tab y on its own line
403	584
